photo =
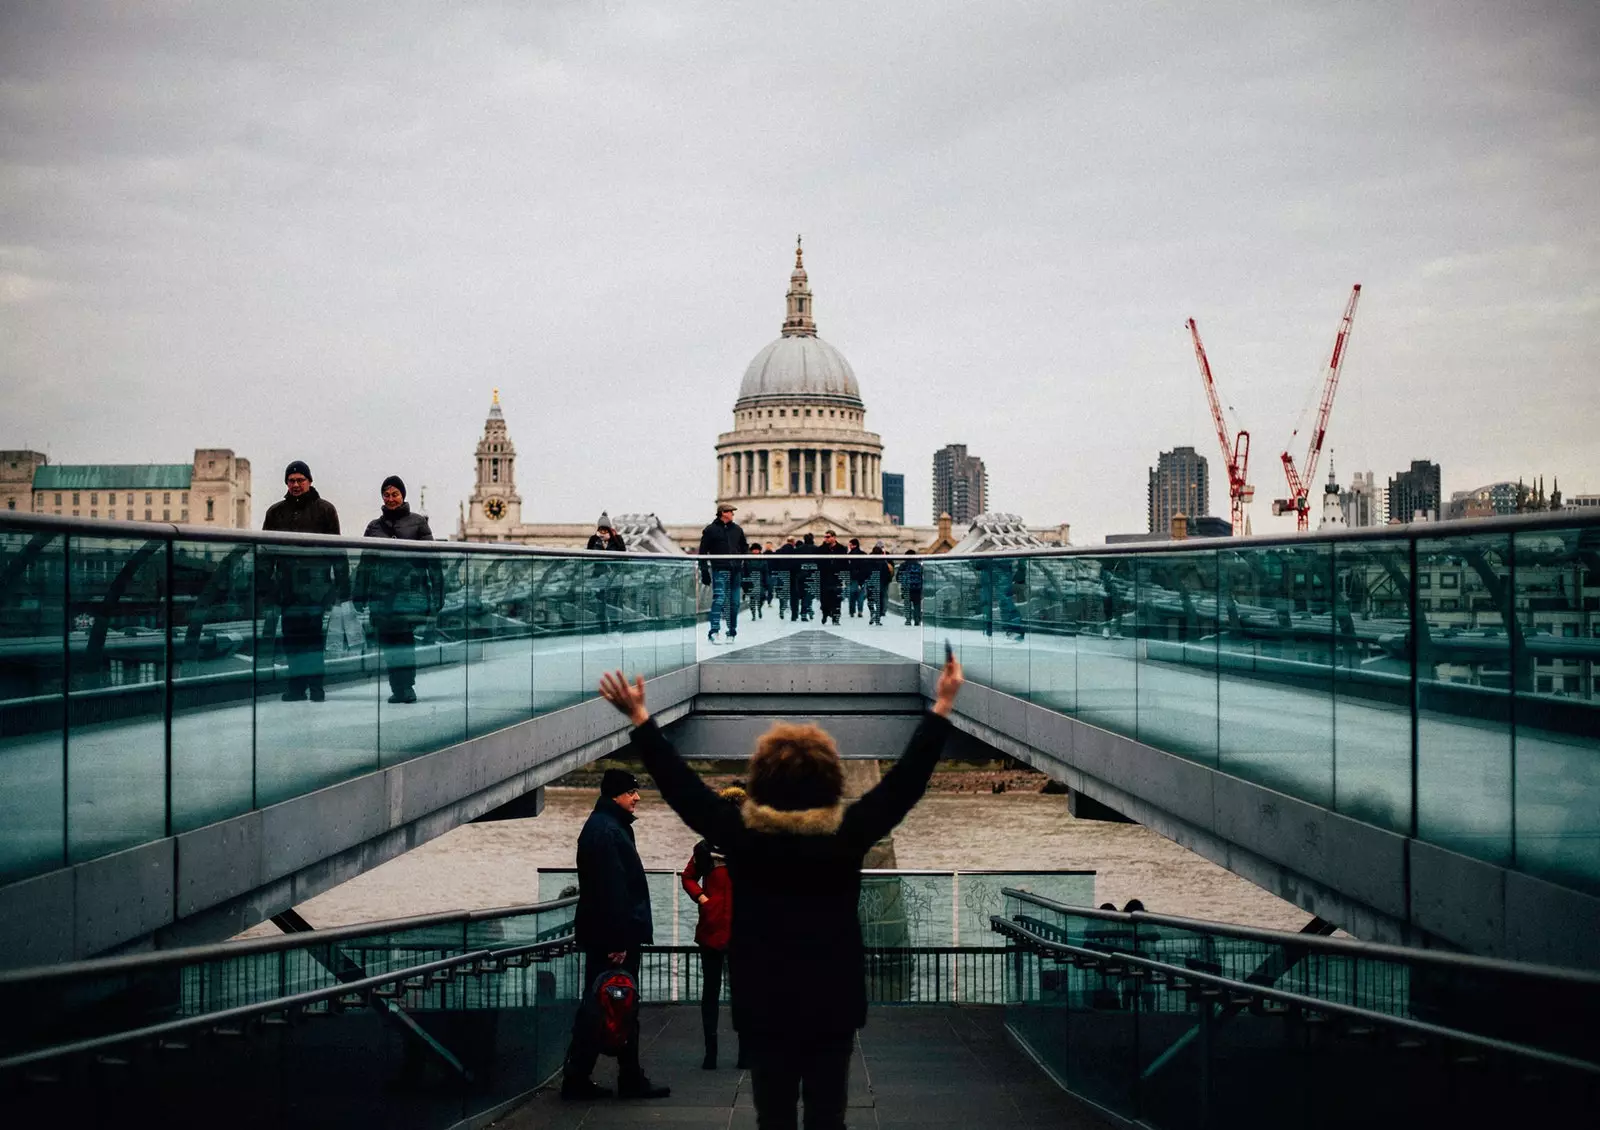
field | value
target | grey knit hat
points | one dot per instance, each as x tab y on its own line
604	522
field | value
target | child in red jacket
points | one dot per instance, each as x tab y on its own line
707	882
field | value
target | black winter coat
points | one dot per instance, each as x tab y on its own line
396	587
613	897
720	539
307	580
796	940
613	544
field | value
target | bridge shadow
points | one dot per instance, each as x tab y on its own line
936	1066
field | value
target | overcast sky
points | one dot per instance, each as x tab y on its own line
327	231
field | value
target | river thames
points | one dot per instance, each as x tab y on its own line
496	864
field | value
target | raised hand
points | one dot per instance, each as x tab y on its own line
950	681
629	699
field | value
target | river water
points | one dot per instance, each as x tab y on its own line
495	864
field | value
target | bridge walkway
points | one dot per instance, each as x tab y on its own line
915	1066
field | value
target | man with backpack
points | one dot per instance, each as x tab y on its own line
612	922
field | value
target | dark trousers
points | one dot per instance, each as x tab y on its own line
398	642
856	589
784	1069
712	964
582	1052
303	641
792	586
913	602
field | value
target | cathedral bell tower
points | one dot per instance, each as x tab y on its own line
495	508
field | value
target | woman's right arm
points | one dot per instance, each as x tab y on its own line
690	874
682	788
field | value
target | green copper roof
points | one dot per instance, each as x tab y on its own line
114	476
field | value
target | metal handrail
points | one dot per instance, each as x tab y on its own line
242	1012
214	951
1343	947
1178	974
1511	523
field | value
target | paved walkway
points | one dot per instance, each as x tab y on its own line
936	1066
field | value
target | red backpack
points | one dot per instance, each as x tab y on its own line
611	1009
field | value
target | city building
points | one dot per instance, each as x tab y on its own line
1483	502
798	460
960	484
212	490
1414	495
894	498
1177	486
1364	503
1582	502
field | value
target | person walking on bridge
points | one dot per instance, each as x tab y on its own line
605	538
722	543
400	591
304	584
613	920
794	851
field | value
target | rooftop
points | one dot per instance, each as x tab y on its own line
113	476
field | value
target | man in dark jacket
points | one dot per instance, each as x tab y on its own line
858	578
808	576
787	579
401	591
303	584
612	922
911	588
834	577
879	574
721	543
794	853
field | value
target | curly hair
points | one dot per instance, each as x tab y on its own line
796	767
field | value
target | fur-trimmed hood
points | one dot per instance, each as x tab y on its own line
795	822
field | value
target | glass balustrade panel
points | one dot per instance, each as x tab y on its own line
1465	655
1557	707
116	694
213	682
33	663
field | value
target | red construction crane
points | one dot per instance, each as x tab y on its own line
1235	452
1298	503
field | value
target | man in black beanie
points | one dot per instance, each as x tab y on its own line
305	585
612	922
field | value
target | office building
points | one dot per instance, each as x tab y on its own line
894	498
1177	486
960	484
1414	495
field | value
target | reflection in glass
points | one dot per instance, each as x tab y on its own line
1178	624
1372	682
32	702
1464	655
213	723
498	635
316	692
1275	687
116	701
1108	672
1557	665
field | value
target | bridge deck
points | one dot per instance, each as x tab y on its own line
939	1066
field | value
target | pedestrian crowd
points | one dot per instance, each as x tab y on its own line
738	570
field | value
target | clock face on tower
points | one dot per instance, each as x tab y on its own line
495	508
